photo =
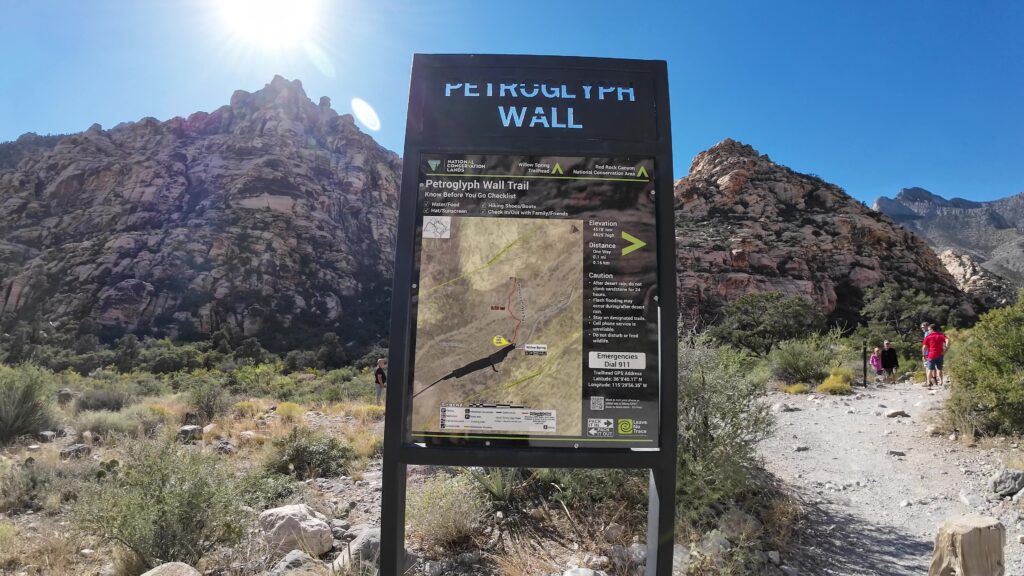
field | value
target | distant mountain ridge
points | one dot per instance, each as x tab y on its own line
990	232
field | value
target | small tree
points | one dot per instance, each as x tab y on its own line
758	322
901	309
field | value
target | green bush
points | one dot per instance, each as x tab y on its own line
261	489
150	418
23	402
498	483
208	400
111	399
166	503
107	424
305	453
806	360
758	322
444	510
722	418
987	371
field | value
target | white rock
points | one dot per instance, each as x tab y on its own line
173	569
296	527
774	557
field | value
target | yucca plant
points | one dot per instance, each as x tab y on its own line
23	404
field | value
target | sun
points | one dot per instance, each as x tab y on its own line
272	24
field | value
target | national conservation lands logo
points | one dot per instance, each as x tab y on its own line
433	164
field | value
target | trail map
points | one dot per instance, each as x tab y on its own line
499	322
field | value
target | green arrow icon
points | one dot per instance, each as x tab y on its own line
634	243
557	169
642	172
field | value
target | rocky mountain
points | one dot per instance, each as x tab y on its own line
987	289
271	215
745	224
990	232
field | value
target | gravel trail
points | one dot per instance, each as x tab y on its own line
876	488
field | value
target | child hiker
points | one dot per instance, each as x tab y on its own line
876	361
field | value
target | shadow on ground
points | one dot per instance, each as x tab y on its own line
833	542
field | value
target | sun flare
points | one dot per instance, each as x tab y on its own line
273	24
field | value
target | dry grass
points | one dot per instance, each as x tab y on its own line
839	382
366	443
799	388
366	413
782	518
47	552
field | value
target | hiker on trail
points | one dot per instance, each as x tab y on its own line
890	361
934	347
924	334
876	361
380	380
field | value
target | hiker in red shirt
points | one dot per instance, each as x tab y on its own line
934	347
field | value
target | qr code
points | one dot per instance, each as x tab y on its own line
597	403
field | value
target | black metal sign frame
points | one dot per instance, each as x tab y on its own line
458	129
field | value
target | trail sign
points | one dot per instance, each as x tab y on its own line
533	316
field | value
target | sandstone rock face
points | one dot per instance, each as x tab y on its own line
272	215
745	224
991	232
986	288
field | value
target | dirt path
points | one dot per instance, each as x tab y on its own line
877	488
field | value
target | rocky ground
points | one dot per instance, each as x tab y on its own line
876	488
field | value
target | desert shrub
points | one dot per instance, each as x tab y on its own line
839	381
111	399
23	402
722	418
799	388
150	417
208	400
261	489
758	322
290	411
805	360
107	424
584	488
43	484
444	510
244	409
987	371
166	503
305	453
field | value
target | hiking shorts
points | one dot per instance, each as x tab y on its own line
935	363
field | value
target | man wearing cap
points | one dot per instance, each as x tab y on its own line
890	361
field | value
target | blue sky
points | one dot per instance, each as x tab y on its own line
870	95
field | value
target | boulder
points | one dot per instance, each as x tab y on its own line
190	433
1006	482
65	396
225	447
297	563
968	546
897	414
614	532
75	451
296	527
47	436
173	569
365	547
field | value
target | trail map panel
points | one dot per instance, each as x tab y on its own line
536	312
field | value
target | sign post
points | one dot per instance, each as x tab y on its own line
534	304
